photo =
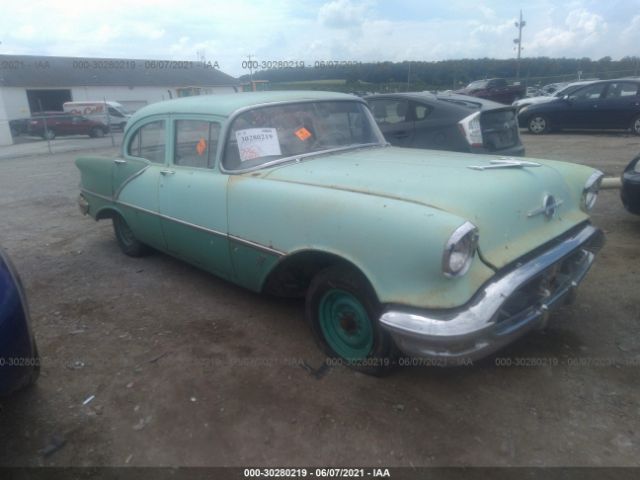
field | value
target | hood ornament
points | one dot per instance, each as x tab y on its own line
549	207
505	162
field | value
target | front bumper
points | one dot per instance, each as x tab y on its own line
508	306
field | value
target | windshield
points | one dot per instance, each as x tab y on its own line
566	90
265	134
478	84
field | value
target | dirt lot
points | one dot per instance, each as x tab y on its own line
187	369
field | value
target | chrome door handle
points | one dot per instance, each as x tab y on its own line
119	161
166	171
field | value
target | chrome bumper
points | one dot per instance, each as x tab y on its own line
504	309
83	205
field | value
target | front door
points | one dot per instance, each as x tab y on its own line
192	196
583	108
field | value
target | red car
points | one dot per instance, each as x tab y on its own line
61	124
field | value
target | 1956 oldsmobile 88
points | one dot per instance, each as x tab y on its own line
432	253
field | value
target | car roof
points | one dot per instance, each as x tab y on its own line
226	103
464	101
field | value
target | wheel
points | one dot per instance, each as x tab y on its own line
538	124
635	125
343	313
127	241
49	135
96	132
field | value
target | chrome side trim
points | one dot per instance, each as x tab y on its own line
173	219
256	245
116	195
103	197
189	224
205	229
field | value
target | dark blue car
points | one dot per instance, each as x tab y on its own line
601	105
19	361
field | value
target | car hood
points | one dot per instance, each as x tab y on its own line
502	203
534	100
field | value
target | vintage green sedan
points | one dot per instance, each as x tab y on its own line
429	254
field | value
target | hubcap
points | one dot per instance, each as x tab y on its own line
636	126
345	325
537	124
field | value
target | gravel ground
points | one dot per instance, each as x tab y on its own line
187	369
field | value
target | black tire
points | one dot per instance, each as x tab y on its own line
538	124
127	241
49	134
378	352
96	132
635	125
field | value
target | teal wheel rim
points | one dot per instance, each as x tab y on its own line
345	325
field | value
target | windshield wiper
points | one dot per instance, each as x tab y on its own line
505	163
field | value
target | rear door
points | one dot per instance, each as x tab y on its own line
620	104
135	179
193	196
393	116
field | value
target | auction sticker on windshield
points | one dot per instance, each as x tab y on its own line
257	142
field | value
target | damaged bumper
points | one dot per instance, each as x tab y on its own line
508	306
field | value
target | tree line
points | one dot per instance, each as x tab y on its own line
453	74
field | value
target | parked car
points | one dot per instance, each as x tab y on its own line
453	122
566	90
61	124
438	254
630	192
600	105
496	89
19	360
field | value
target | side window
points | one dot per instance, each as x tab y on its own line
114	113
592	92
389	112
421	111
196	143
622	89
149	142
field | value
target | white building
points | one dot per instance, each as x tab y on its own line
30	84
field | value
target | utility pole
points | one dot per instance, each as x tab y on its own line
251	73
518	41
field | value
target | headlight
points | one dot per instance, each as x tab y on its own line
523	109
459	250
590	192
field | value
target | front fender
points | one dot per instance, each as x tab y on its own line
396	244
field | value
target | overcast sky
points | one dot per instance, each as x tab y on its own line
313	30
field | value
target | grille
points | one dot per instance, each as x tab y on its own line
545	285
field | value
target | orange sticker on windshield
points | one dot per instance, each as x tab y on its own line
201	146
302	133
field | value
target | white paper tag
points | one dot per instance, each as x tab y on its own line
257	142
